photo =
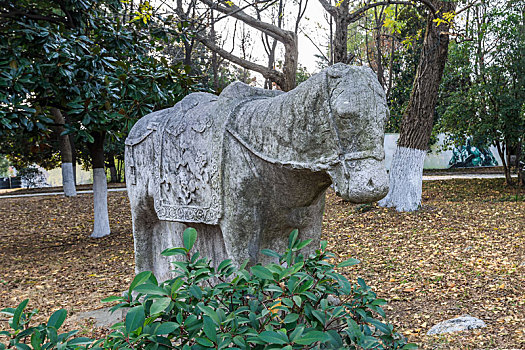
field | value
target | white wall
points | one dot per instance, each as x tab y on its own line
435	159
83	176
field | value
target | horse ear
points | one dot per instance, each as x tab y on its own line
337	70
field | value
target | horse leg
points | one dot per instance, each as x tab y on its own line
151	235
242	221
144	219
311	223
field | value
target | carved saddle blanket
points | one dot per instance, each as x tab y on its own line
188	152
187	141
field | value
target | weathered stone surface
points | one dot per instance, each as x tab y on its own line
102	317
458	324
246	167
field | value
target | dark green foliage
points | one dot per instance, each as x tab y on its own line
277	306
87	59
405	63
483	90
42	337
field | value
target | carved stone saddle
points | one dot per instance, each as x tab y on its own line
187	160
188	152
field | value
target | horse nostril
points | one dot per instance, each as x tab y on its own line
370	183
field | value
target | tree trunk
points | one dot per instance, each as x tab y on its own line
503	151
290	63
73	157
406	171
519	165
112	168
340	45
71	138
66	154
100	187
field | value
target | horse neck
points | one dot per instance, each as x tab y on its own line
292	129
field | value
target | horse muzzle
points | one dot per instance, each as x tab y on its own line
361	180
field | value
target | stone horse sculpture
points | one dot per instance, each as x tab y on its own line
248	166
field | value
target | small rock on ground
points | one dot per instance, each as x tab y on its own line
103	317
458	324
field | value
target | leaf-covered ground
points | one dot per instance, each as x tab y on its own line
463	253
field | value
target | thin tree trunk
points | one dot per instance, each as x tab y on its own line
406	171
66	154
502	151
112	168
519	166
100	187
120	164
71	138
290	63
340	40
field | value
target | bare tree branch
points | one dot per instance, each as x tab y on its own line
355	15
267	28
265	71
328	7
316	46
16	14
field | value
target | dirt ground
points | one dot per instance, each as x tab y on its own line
462	253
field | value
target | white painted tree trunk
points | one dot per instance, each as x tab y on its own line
100	199
68	180
406	180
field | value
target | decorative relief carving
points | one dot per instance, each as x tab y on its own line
189	181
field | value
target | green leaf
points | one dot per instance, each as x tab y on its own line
290	318
209	328
135	318
189	236
335	339
298	300
159	305
381	326
150	289
18	313
269	252
320	316
272	337
301	245
312	337
139	279
224	264
209	312
21	346
57	319
176	285
9	311
292	238
349	262
166	328
261	272
204	342
353	329
297	332
175	251
410	346
369	342
113	298
195	291
36	340
80	341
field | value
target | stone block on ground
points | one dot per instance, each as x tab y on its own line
103	317
458	324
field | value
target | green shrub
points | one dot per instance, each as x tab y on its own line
277	306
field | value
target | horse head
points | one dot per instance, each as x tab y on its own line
358	112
